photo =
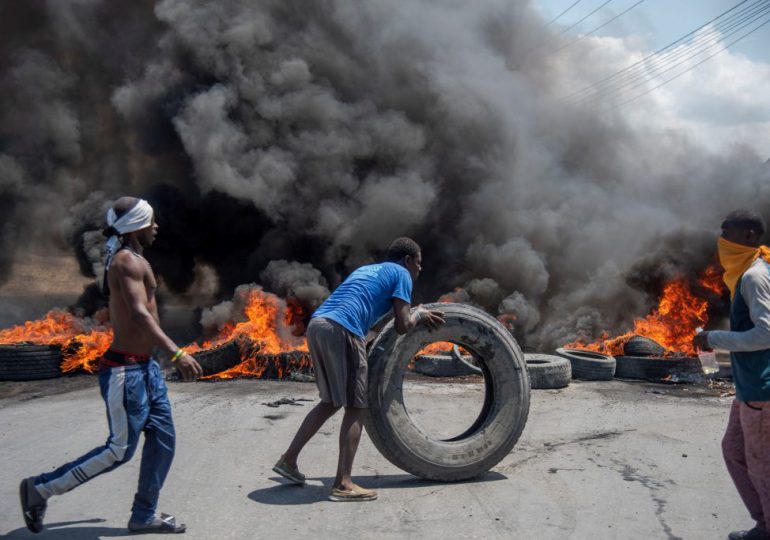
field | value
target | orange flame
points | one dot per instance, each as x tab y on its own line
83	341
268	329
439	347
267	366
266	324
672	323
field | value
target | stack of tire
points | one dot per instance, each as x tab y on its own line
644	358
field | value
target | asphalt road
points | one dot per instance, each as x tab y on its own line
597	460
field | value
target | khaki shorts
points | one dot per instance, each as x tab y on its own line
339	360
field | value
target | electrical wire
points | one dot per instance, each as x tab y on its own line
641	63
583	19
699	63
592	31
549	23
667	63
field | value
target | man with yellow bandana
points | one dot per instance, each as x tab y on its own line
746	443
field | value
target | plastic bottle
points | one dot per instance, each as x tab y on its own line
708	359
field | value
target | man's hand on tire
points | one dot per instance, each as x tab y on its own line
430	319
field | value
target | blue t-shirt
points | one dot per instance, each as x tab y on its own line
366	295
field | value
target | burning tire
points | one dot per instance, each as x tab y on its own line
653	368
219	359
548	371
589	365
24	362
503	415
643	346
446	365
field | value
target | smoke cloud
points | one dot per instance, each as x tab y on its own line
288	142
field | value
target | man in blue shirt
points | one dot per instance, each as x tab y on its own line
335	337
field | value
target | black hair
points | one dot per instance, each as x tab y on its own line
746	219
401	247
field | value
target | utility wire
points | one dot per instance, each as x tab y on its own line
617	92
584	18
699	63
642	68
701	44
651	55
592	31
656	68
549	23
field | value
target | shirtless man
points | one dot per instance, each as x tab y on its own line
130	379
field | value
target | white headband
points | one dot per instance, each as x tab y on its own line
139	217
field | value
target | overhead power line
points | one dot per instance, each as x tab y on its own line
562	13
583	19
582	36
647	71
666	63
723	49
724	22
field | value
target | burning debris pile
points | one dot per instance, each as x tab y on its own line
262	324
83	340
267	327
681	309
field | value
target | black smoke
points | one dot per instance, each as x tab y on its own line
285	138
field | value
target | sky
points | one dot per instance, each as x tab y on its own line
656	22
717	104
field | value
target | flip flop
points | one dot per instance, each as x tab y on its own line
352	495
33	513
165	524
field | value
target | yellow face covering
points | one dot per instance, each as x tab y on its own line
736	259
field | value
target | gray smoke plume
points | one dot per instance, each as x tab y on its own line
296	280
316	132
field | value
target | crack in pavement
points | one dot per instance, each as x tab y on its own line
631	474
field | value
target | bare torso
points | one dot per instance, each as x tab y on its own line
129	336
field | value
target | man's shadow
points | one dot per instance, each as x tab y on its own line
317	489
63	530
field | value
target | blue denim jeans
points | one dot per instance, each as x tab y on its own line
137	401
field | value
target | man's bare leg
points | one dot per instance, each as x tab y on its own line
316	418
350	435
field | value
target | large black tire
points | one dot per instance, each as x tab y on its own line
23	362
654	368
548	371
643	346
506	403
589	365
219	359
